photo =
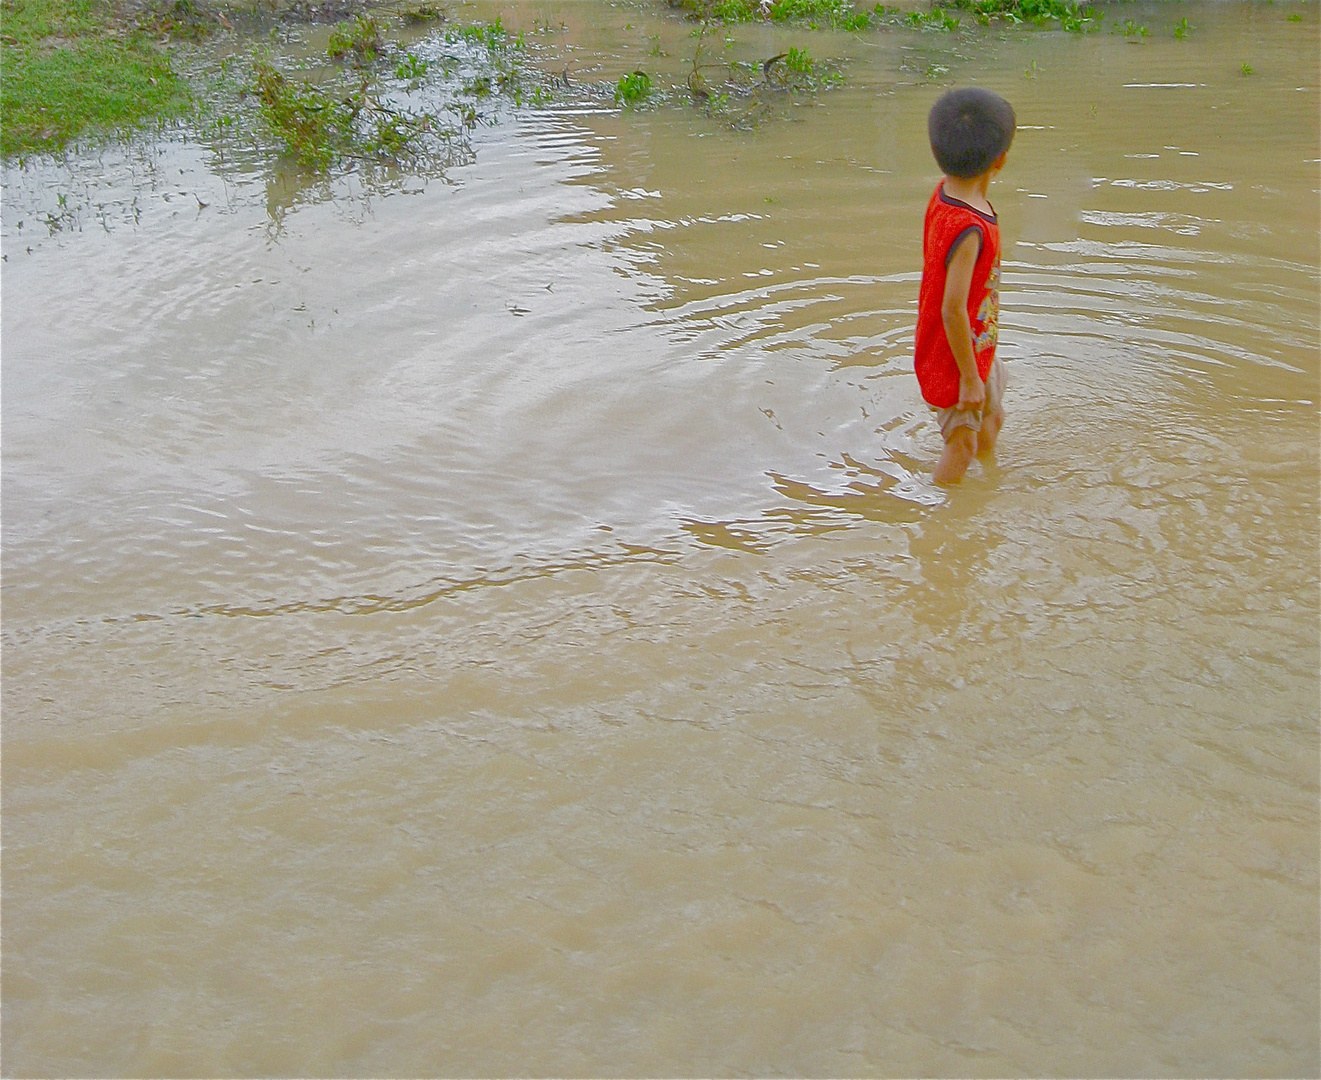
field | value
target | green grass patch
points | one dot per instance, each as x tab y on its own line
839	14
633	88
1070	14
68	67
842	15
358	40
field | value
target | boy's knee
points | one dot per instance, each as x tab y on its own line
962	440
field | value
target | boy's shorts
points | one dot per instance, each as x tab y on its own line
953	419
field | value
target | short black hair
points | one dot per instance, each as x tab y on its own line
970	128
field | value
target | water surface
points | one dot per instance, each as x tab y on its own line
506	626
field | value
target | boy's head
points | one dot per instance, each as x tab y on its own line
969	129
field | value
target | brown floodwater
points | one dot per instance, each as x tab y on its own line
505	625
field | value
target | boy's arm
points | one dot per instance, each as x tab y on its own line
958	327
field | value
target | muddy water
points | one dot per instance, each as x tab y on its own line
507	627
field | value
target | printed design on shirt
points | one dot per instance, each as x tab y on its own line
988	315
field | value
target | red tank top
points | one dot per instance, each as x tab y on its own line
947	221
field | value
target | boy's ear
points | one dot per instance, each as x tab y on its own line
999	163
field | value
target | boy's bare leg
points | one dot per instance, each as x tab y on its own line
959	452
989	433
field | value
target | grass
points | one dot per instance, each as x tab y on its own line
492	35
70	67
314	127
838	14
358	40
842	15
935	19
1070	14
633	88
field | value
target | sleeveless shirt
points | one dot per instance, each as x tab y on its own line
949	220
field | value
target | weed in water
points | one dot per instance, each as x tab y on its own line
493	36
1071	15
1295	17
322	126
633	88
1246	68
800	72
359	40
1181	29
1131	29
411	68
838	14
1030	72
935	19
313	126
422	13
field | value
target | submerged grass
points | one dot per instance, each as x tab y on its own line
843	15
71	66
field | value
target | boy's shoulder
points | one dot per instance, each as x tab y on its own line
943	200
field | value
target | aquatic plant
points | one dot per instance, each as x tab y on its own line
837	14
1181	29
1130	28
1070	14
1246	68
633	88
420	14
313	126
411	68
359	40
935	19
321	126
492	36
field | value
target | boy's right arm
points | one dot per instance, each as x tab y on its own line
958	327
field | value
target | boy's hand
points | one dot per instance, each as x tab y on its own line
972	393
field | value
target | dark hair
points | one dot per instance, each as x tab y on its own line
969	129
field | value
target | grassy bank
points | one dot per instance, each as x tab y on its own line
74	66
70	68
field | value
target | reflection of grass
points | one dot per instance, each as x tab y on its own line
68	67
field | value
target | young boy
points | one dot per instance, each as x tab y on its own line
958	306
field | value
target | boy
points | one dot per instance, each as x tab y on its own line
958	306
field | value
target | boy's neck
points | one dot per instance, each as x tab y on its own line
971	190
